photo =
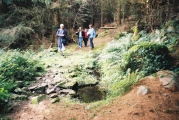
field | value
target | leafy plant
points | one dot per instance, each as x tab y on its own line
47	2
16	36
16	69
4	95
147	57
124	56
19	68
123	85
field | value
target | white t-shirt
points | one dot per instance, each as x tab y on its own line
80	34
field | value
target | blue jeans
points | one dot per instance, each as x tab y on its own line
80	39
91	43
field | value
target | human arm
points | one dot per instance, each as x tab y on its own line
94	33
77	33
65	33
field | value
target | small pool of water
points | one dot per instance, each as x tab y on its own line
91	94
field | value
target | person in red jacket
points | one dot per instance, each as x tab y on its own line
85	38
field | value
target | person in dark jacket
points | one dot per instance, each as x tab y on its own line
80	34
61	34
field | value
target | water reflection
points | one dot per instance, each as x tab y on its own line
91	94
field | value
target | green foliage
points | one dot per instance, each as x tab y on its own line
8	2
125	57
26	26
117	37
4	95
172	26
17	35
113	79
47	2
147	57
15	67
121	86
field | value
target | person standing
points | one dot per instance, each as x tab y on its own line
92	35
80	34
85	38
61	34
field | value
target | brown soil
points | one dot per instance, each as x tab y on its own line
159	104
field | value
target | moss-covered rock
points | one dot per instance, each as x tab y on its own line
71	84
55	100
38	99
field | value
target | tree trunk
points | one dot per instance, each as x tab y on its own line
119	15
102	6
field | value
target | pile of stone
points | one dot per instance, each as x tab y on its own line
53	86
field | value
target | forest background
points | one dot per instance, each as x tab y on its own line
32	23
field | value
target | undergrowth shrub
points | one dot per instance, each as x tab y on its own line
121	86
113	79
147	57
16	37
26	26
124	57
16	68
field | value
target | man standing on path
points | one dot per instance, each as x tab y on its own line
61	34
92	35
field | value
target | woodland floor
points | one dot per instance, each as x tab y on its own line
159	104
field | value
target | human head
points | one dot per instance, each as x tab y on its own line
62	26
86	30
80	28
90	25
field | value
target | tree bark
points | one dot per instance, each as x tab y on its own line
102	7
119	14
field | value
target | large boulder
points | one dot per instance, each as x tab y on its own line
169	80
39	88
67	92
72	84
51	90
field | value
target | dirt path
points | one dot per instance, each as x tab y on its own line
99	43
